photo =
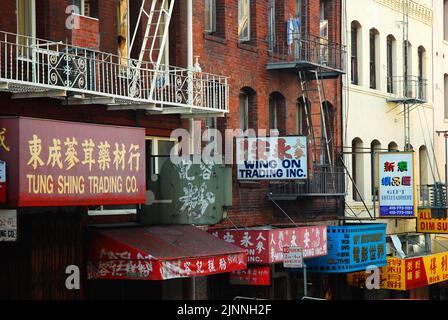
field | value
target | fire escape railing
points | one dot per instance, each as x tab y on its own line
312	49
31	65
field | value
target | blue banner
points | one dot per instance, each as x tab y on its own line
352	248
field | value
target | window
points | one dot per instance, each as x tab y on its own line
244	111
423	165
355	50
277	119
375	148
373	35
82	5
271	25
123	31
243	20
301	119
158	151
445	20
327	123
392	146
26	29
357	169
390	63
421	72
210	16
445	94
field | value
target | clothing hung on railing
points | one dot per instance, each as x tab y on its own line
293	32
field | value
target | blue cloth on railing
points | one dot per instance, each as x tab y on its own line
293	30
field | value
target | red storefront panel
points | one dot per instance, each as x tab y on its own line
258	276
160	253
266	246
58	163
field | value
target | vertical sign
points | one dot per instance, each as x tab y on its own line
396	184
2	181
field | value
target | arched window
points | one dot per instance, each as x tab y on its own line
277	112
248	109
421	93
327	122
391	62
358	168
423	165
303	107
356	50
374	58
392	146
375	148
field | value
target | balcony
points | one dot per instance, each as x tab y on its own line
323	182
414	93
32	68
307	54
432	196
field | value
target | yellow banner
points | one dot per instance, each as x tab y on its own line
427	224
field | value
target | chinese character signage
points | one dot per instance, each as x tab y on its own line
276	158
57	163
293	257
428	223
8	225
396	184
352	248
408	274
252	276
266	246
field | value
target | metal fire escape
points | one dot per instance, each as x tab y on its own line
313	59
32	68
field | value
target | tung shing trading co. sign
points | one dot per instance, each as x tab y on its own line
272	158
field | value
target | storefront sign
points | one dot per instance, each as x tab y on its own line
293	257
258	276
8	225
57	163
277	158
397	196
408	274
352	248
2	181
427	223
266	246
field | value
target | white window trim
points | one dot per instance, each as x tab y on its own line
155	146
240	37
210	26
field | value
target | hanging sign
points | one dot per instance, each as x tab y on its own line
397	192
273	158
8	225
293	257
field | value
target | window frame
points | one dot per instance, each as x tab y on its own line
244	113
30	56
155	150
354	55
271	25
390	64
241	37
210	25
373	81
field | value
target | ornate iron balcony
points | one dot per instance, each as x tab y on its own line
31	67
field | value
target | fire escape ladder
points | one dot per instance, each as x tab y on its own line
156	32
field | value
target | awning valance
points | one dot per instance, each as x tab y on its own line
159	253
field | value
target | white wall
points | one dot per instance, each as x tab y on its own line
368	114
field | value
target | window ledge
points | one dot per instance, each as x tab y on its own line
214	38
247	46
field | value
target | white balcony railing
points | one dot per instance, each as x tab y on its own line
35	65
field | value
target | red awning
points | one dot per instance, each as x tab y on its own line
159	253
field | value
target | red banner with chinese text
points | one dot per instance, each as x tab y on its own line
258	276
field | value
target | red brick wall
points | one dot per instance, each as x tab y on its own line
87	35
245	64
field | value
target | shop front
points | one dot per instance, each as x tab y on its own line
266	276
350	248
52	173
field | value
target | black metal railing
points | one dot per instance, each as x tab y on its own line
415	88
432	195
320	182
309	48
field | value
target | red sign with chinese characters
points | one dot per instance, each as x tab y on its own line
58	163
258	276
266	246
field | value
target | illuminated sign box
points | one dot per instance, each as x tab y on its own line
397	192
352	248
58	163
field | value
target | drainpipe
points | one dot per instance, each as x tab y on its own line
190	98
190	68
